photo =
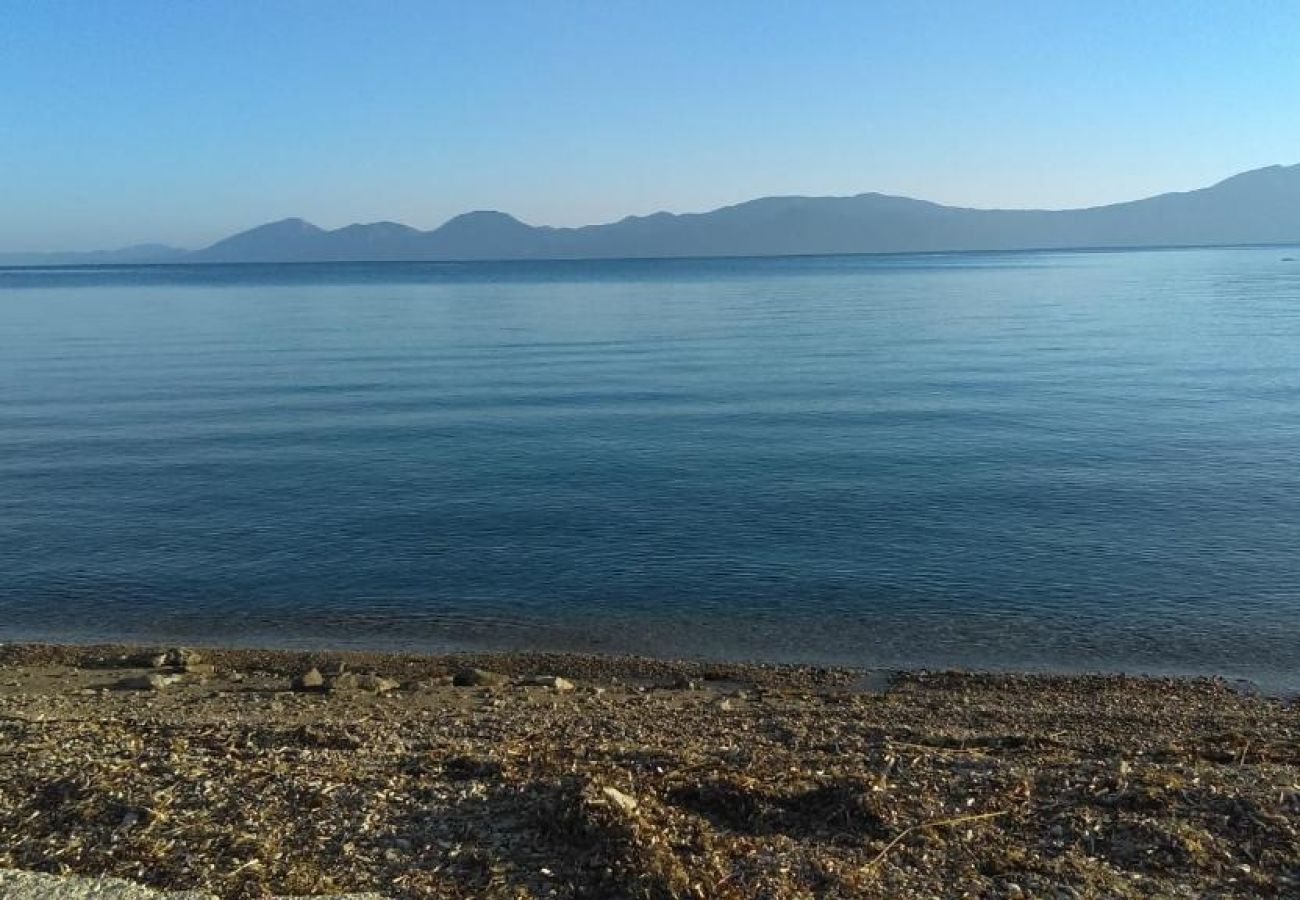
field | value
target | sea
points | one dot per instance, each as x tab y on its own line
1055	461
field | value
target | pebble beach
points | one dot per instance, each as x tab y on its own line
247	774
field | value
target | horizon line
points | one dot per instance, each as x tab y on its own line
1018	251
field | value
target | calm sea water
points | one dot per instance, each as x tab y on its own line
1045	460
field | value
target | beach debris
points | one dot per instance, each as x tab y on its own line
361	681
465	768
988	785
149	660
311	680
624	803
153	681
180	657
554	682
420	685
175	658
471	677
330	736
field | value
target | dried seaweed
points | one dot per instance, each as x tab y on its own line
792	786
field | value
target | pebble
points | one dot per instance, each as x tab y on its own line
362	681
619	800
554	682
477	678
180	657
151	682
311	680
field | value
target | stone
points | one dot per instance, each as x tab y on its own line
311	680
151	682
478	678
362	681
181	657
619	800
554	682
420	685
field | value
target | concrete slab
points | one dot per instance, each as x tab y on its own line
15	885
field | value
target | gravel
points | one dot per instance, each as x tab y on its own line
649	779
16	885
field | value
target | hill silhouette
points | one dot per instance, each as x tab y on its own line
1257	207
1261	206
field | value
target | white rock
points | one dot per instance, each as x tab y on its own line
619	800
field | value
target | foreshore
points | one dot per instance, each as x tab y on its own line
244	773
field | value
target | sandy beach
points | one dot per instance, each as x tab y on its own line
248	773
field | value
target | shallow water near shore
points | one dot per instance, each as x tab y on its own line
1039	460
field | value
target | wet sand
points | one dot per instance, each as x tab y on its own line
580	776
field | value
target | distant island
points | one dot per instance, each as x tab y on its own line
1257	207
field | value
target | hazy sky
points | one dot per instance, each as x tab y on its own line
181	122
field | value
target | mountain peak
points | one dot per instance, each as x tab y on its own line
272	242
1264	175
293	223
384	228
281	228
484	217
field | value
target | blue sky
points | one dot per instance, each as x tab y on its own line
181	122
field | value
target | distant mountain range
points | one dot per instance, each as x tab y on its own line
1256	207
139	253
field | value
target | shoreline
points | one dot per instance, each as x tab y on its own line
572	775
1267	683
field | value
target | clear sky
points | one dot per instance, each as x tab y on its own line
130	121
